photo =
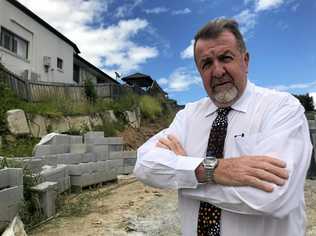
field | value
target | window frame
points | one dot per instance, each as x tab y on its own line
60	64
14	39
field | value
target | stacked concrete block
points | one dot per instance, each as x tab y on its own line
69	158
59	174
89	157
128	160
49	149
101	151
11	194
86	174
47	194
60	139
30	164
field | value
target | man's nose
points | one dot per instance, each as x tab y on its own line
218	70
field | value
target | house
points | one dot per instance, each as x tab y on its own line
33	49
144	82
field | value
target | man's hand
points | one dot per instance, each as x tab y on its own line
172	143
255	171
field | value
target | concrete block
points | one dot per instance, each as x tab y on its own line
104	140
126	170
122	155
94	134
129	162
11	177
69	158
312	124
101	151
42	150
114	140
61	139
50	160
47	192
10	200
78	148
77	169
82	180
102	166
59	149
89	157
56	174
33	165
76	139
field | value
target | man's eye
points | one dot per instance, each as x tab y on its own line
206	65
226	58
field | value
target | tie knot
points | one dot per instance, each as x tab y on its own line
223	111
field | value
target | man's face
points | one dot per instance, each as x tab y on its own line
223	68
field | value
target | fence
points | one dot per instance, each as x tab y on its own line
38	91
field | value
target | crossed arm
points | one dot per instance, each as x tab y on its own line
260	172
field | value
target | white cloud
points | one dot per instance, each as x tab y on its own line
181	79
181	12
111	48
295	86
126	10
188	52
246	20
162	81
156	10
262	5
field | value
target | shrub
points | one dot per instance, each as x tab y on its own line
150	107
90	91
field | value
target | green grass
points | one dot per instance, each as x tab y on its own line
150	107
19	147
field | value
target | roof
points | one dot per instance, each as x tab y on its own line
43	23
139	79
95	68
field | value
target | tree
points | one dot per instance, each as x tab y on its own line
306	101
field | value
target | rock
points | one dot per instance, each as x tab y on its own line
17	122
79	123
133	119
58	125
109	116
38	126
16	228
96	121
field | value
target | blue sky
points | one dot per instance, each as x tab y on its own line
154	37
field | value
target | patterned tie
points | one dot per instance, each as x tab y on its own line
209	215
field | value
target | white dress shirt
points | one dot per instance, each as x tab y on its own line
262	122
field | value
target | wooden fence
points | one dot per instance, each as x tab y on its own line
38	91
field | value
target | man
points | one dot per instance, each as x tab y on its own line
239	157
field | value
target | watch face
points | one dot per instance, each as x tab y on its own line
210	162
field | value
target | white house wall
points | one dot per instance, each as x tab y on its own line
42	42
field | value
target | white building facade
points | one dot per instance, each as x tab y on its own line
33	49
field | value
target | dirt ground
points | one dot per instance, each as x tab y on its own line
130	208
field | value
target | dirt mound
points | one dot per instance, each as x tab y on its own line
136	137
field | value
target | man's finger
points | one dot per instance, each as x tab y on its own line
276	170
272	160
259	184
267	176
161	145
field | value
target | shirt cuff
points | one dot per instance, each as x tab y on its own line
185	171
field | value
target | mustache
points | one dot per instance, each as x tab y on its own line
215	81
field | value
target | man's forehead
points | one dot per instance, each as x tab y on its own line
225	41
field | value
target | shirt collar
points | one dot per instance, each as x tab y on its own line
240	105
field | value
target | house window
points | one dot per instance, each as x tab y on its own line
59	63
14	43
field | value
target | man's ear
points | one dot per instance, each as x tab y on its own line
246	59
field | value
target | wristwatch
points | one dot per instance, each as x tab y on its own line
209	163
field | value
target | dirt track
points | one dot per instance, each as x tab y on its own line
130	208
